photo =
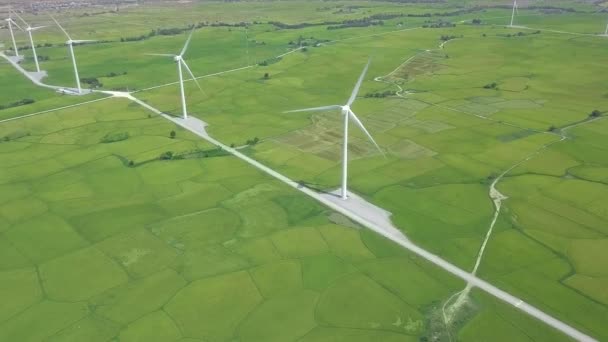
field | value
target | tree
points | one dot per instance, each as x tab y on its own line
552	128
166	156
266	76
595	114
476	21
172	134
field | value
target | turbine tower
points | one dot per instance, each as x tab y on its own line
348	116
606	32
70	43
10	23
179	59
515	8
29	30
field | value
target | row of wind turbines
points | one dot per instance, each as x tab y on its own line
29	29
345	109
516	11
179	59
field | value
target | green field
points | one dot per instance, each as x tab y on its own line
105	238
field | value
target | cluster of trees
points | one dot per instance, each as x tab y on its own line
521	34
445	37
173	31
363	22
17	104
93	82
197	153
476	21
492	85
595	114
438	24
300	25
253	141
113	74
42	58
269	61
114	137
381	94
312	41
166	155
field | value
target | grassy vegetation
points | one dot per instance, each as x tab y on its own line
113	228
93	249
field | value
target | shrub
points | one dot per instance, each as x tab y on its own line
166	156
114	137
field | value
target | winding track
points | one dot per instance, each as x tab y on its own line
198	127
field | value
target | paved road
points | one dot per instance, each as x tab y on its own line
198	127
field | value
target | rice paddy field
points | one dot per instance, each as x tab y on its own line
118	225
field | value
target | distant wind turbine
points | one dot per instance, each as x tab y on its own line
179	59
70	43
10	23
515	9
348	115
606	32
29	30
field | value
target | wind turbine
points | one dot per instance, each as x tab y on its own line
70	43
10	23
606	32
515	8
179	59
348	115
29	30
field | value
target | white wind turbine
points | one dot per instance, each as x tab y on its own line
515	9
606	32
10	22
70	43
29	31
348	115
179	59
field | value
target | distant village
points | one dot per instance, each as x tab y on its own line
57	5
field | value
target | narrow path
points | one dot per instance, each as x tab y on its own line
450	311
197	127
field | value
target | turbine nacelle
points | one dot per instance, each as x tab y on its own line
181	63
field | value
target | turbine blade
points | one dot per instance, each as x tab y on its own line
187	43
355	92
23	21
315	109
358	122
15	23
159	54
37	28
61	27
191	74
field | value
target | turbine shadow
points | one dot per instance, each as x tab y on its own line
315	187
